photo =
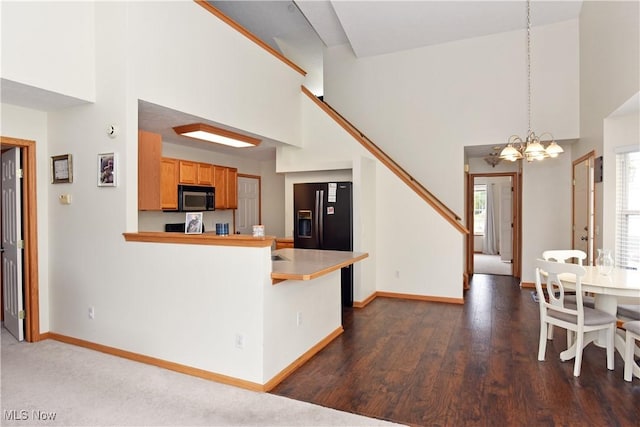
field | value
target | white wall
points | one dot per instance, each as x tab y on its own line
546	209
364	227
417	251
609	70
183	303
319	303
411	247
23	123
64	61
273	205
186	59
422	106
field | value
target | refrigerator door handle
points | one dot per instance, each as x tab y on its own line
320	216
316	221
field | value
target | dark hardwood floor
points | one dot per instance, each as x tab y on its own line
435	364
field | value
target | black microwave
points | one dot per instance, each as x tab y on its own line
196	198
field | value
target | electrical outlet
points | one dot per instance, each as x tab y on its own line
92	312
239	341
299	318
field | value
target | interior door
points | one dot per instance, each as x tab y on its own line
506	221
583	206
248	212
13	304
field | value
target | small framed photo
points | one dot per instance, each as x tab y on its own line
61	169
107	170
193	223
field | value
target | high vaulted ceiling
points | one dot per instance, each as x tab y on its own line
300	29
377	27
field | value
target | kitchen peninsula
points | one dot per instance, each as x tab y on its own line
232	310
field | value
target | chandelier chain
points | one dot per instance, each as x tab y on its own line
529	67
530	147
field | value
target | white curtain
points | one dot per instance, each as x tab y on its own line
490	244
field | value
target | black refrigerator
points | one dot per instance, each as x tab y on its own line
323	219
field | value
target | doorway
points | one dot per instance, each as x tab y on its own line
29	236
493	219
583	199
249	212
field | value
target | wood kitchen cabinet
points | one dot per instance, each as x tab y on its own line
149	154
284	242
226	183
205	174
170	171
188	172
220	182
194	173
232	188
158	177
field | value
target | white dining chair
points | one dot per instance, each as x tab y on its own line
565	255
631	336
573	317
628	312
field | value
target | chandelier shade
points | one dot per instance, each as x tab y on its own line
530	148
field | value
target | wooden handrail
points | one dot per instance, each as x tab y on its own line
215	11
383	157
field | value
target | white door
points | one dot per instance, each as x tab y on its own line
11	244
582	208
506	221
248	212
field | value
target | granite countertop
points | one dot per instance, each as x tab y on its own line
308	264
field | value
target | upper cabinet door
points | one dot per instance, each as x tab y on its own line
188	172
149	154
220	182
232	188
169	183
205	174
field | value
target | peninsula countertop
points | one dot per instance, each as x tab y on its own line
308	264
209	238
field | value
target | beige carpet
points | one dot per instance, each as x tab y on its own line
55	384
491	264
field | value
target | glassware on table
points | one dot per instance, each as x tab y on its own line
604	262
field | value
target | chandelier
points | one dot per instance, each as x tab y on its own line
531	147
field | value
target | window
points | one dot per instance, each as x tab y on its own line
628	209
479	208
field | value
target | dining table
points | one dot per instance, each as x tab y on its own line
606	287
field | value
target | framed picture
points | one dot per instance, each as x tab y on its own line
193	223
107	170
61	169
